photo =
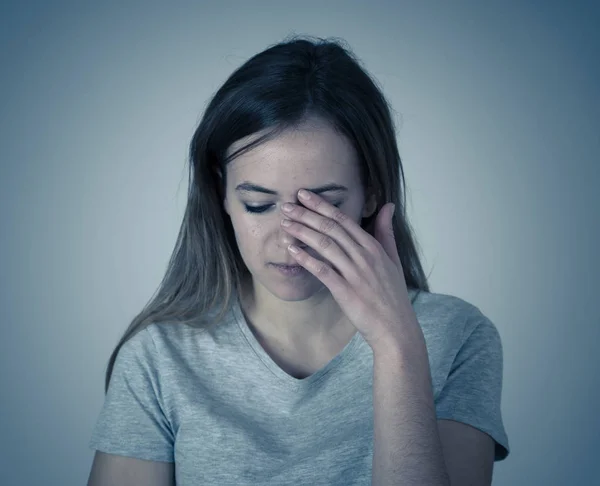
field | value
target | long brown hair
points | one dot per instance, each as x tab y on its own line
273	91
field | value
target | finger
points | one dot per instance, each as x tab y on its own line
347	233
336	284
325	246
384	233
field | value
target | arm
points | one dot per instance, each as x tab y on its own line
410	445
468	453
115	470
407	447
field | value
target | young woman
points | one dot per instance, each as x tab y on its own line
332	365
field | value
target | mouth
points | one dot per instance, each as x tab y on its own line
291	270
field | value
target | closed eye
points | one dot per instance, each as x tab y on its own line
262	209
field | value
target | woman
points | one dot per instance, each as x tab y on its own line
333	365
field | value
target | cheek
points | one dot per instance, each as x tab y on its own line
250	238
256	232
255	239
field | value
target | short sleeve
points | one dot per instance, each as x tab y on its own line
132	422
473	389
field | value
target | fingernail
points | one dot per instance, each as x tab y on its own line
303	194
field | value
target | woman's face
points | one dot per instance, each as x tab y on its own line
311	156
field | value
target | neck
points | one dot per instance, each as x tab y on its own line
312	320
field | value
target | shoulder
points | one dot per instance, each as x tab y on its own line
449	323
443	312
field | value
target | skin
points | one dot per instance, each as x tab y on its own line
291	309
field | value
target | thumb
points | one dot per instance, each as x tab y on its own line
384	232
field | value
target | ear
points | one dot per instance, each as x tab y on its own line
370	205
219	174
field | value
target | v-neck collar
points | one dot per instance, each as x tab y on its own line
274	368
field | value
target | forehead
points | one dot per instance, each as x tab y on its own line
305	154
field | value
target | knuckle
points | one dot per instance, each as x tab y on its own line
328	226
339	217
323	269
325	242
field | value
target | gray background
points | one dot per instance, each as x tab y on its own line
498	115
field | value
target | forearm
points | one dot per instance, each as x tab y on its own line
407	447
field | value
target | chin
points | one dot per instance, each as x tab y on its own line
289	289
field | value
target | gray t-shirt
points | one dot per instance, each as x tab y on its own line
216	404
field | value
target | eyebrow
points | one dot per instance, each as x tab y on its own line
251	187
